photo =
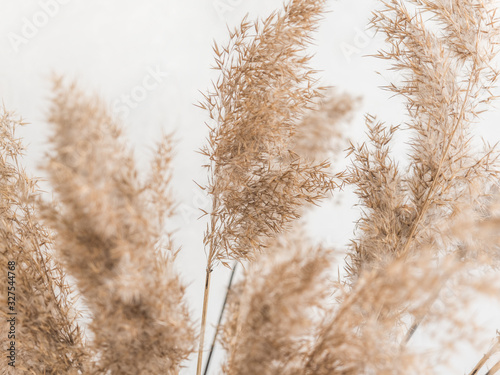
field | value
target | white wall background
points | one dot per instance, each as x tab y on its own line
112	46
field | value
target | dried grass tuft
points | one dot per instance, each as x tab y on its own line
425	248
110	234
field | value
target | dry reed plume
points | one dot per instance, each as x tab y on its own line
425	247
52	342
110	232
256	182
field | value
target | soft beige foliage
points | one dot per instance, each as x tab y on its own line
258	185
48	339
425	247
320	134
107	236
271	315
409	246
265	86
447	77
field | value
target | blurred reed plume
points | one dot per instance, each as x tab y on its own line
52	342
96	285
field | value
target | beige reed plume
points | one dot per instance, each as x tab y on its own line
110	234
256	183
47	338
318	136
425	247
447	78
410	243
271	314
444	52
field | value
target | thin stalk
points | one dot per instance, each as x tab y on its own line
214	340
210	260
419	320
203	320
494	369
485	358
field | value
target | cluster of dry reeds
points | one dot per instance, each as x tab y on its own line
426	244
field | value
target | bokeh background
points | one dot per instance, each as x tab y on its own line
150	59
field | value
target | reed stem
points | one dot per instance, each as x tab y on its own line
203	320
214	340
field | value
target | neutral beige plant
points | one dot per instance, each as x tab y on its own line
96	282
